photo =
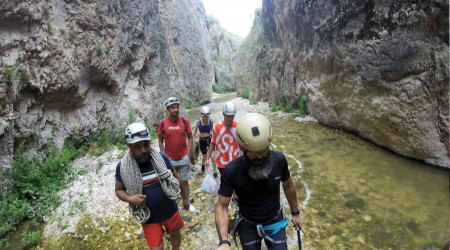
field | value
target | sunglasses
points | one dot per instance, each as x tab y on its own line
143	133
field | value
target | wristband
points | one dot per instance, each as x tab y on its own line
225	242
296	212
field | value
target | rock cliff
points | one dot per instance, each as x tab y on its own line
73	67
224	49
375	68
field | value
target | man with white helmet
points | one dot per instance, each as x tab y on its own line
205	125
173	131
224	141
146	180
255	177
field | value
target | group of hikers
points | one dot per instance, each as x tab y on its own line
151	180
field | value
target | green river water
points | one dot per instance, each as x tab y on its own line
356	195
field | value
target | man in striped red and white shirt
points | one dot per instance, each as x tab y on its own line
224	141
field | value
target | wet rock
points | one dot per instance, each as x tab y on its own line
412	225
367	218
355	203
321	213
381	236
104	229
332	239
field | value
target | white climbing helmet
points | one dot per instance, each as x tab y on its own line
229	109
136	132
205	111
171	100
254	132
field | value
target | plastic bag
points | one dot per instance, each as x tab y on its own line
209	185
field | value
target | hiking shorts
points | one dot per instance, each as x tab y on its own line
154	231
204	144
250	239
183	167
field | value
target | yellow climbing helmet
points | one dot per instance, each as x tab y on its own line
254	132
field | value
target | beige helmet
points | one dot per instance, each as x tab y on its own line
254	132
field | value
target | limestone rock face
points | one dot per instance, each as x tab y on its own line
375	68
224	48
73	67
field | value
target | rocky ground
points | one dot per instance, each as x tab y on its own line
90	202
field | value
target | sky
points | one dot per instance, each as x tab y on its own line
236	16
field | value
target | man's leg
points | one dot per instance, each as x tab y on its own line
175	239
250	240
173	226
279	238
153	235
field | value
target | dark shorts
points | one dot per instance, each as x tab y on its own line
250	239
204	144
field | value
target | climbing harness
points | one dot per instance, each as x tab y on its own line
271	229
132	179
265	231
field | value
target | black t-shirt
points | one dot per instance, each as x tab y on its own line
259	201
161	207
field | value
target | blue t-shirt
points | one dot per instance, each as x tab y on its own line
161	207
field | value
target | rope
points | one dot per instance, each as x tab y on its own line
132	179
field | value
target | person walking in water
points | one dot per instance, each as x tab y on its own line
224	141
146	180
255	177
173	131
204	125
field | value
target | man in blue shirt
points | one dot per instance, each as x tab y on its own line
138	183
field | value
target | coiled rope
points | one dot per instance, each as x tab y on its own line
132	179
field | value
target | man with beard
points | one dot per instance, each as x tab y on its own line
255	177
172	133
145	179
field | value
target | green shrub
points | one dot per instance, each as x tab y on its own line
34	181
72	34
274	108
12	211
100	49
153	132
32	238
189	103
302	101
9	74
245	93
23	72
131	116
225	77
220	89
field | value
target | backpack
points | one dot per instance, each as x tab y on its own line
162	125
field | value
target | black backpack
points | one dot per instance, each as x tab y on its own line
162	125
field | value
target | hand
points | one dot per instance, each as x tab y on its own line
297	221
207	162
137	200
186	204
